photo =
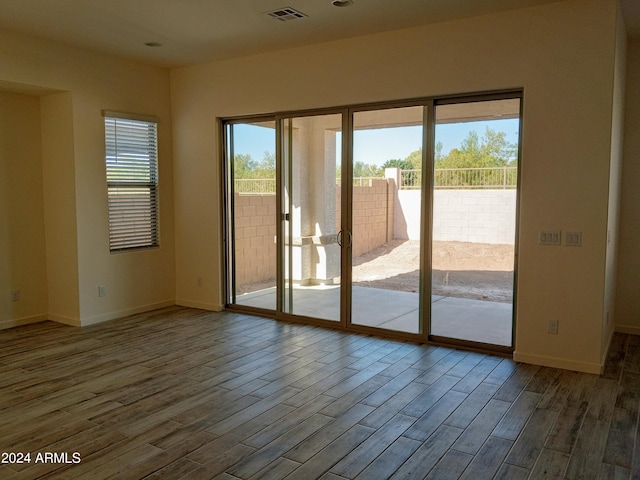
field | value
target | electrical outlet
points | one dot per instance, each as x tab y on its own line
552	327
102	291
15	295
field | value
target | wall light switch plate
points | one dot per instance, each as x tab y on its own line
550	237
573	239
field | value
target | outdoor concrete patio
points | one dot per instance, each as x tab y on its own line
459	318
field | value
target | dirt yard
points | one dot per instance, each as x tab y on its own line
469	270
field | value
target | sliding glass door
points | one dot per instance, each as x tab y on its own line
397	219
250	150
310	229
474	220
386	216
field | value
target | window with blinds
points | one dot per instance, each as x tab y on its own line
132	182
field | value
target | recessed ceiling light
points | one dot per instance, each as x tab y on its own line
342	3
153	44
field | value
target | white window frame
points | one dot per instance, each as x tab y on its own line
131	159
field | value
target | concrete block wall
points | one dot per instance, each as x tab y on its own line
478	216
379	215
372	215
255	246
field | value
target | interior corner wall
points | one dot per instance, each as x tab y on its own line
22	237
74	177
561	54
615	184
61	230
627	313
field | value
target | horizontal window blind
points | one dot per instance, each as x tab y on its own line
132	182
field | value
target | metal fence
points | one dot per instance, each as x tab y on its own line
443	178
463	178
255	186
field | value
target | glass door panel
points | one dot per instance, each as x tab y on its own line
311	155
474	220
250	152
386	218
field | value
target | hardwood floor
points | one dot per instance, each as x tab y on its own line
182	393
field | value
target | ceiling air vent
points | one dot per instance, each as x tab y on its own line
286	13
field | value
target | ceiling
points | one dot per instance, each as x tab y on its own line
199	31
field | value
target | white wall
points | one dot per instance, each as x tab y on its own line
562	54
74	185
61	226
478	216
22	234
627	310
615	180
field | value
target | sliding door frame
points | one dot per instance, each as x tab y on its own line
426	224
227	191
471	98
424	286
283	152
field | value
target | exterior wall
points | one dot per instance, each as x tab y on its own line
371	216
255	232
373	209
478	216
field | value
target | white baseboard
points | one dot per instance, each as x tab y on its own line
558	363
201	305
16	322
125	313
630	329
74	322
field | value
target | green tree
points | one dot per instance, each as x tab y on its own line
415	159
397	163
492	150
243	165
267	167
361	169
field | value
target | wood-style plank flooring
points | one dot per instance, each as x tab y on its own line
183	393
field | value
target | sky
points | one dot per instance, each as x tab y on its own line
376	146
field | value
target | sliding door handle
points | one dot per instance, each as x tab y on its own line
340	238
